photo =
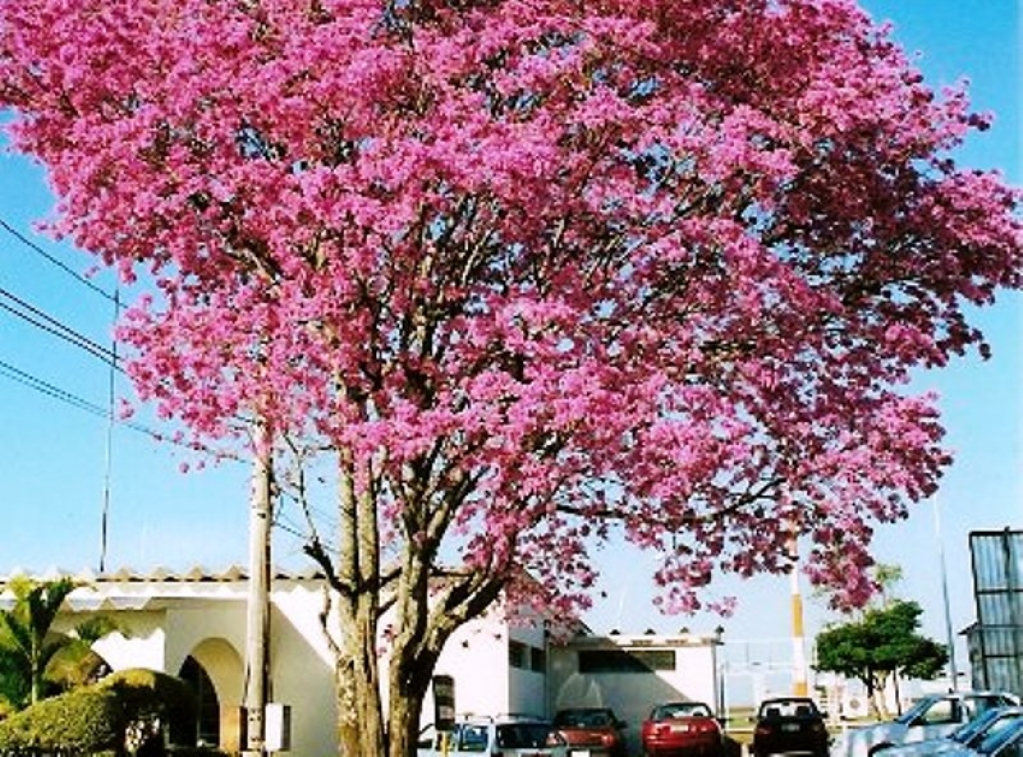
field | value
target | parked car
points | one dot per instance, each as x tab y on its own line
931	717
591	731
790	725
999	742
510	736
967	735
681	729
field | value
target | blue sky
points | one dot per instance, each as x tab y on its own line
56	455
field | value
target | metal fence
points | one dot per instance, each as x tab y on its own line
996	641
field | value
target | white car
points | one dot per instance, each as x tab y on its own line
932	717
509	736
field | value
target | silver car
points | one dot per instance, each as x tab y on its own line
1000	742
932	717
968	735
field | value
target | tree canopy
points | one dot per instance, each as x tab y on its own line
533	275
885	641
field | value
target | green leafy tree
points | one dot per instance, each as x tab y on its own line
76	663
883	643
35	661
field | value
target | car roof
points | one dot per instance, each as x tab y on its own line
970	693
511	717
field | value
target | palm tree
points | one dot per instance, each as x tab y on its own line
32	658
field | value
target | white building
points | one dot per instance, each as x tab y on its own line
192	625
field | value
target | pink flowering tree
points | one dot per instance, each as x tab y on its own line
532	274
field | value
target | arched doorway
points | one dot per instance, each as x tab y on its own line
214	671
207	722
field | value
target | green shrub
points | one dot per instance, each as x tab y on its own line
149	694
83	721
97	718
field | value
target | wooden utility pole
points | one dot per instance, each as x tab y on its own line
258	615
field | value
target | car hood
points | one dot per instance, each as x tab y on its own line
856	742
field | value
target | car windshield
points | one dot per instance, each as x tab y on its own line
968	730
523	735
682	710
788	708
583	718
916	710
999	733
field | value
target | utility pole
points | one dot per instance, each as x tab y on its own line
953	672
109	453
799	682
258	609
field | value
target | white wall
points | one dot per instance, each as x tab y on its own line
476	656
168	621
633	694
165	623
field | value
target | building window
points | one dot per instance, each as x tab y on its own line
537	660
526	657
518	655
622	661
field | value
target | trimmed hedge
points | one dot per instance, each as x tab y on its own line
96	718
82	721
149	694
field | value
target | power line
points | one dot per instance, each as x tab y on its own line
50	390
48	323
44	387
58	263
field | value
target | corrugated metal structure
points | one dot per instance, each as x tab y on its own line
996	641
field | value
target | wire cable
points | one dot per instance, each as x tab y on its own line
53	259
40	319
51	390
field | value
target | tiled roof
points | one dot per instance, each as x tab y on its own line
195	574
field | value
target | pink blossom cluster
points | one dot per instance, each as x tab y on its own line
539	271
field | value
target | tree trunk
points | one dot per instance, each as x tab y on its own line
878	703
403	715
360	709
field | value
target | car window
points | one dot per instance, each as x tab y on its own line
598	719
940	711
682	710
998	738
583	718
916	711
976	705
570	718
968	731
472	738
522	735
788	708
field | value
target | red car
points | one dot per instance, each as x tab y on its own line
682	729
591	730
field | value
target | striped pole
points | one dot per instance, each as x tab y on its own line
799	682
